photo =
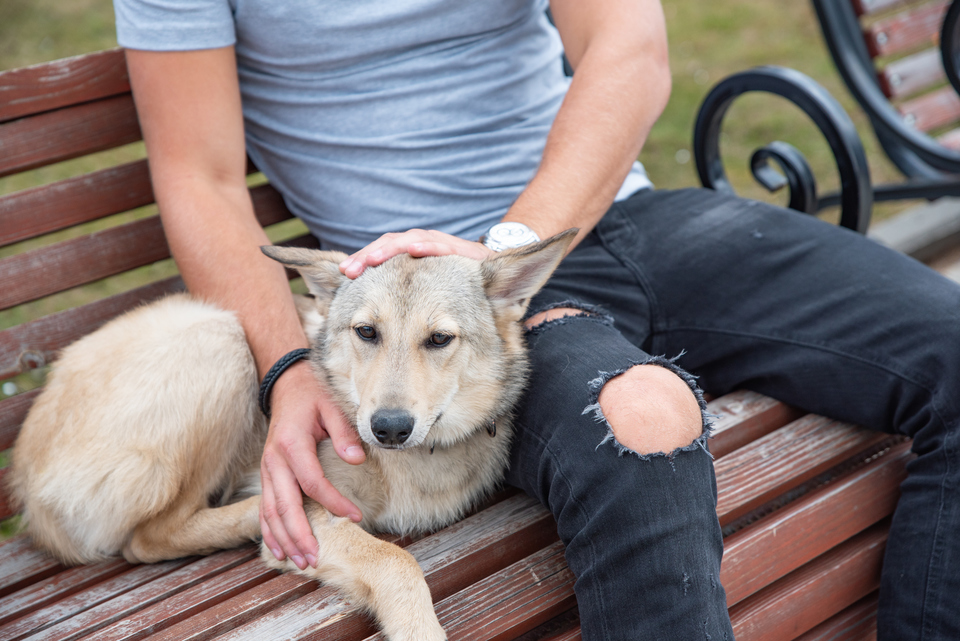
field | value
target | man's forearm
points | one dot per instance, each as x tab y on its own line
219	257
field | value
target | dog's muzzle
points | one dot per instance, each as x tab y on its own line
391	427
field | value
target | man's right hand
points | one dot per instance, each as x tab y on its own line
303	415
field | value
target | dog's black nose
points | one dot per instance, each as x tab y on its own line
392	426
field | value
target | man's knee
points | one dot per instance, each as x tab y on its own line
650	409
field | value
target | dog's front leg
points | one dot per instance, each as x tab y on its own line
380	577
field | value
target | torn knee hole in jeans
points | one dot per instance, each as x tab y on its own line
579	312
596	386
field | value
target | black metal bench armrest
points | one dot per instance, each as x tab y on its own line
856	197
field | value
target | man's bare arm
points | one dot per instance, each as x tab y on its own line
190	113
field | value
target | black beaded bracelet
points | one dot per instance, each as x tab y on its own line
278	368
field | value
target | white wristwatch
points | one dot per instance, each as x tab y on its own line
509	236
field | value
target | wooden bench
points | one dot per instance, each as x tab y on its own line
804	501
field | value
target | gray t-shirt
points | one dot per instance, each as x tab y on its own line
373	116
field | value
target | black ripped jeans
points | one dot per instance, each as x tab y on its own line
753	296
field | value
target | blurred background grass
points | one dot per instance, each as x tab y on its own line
708	41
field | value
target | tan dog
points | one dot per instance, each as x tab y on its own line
149	427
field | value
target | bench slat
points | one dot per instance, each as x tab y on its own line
753	415
74	608
814	593
40	210
185	574
867	7
189	602
783	460
57	587
856	623
56	84
67	133
788	538
906	30
21	564
930	111
912	74
510	602
61	266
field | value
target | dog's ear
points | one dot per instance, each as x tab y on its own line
320	269
512	277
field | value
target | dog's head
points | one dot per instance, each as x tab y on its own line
424	351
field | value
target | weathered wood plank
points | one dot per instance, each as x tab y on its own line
805	598
188	603
743	417
51	85
906	30
171	578
783	460
55	268
936	109
21	564
510	602
41	210
67	133
56	587
867	7
856	623
787	539
912	74
71	612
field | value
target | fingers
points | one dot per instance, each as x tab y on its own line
416	242
346	441
286	531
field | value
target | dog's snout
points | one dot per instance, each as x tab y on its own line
392	426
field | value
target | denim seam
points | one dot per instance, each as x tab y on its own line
596	386
938	534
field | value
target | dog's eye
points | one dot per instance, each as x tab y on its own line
440	340
366	332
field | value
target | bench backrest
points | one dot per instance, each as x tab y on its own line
888	50
58	237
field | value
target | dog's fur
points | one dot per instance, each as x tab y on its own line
148	427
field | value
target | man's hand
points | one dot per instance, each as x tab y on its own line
303	415
416	242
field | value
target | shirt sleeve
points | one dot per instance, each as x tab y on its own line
174	25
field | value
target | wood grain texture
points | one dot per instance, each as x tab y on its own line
67	133
909	29
153	583
742	417
41	210
783	460
812	594
856	623
21	565
51	85
787	539
912	74
57	587
933	110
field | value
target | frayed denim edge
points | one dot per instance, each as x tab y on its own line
596	386
591	312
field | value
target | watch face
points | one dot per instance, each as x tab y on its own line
509	235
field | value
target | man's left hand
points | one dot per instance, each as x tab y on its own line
416	242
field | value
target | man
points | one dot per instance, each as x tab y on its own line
416	126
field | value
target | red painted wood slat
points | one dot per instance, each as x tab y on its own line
56	84
906	30
67	133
